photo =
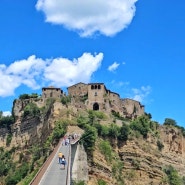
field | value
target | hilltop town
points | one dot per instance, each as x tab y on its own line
141	146
97	97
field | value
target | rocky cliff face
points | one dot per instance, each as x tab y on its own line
143	161
27	130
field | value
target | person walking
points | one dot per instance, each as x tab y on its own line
63	161
60	157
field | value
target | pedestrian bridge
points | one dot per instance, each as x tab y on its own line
52	172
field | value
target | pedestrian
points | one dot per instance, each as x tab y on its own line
63	161
60	157
67	141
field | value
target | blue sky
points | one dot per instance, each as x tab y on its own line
137	48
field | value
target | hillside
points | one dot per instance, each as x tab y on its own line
120	150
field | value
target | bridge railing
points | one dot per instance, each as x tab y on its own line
44	167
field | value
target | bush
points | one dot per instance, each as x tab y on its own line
141	124
59	130
31	109
124	132
106	150
160	145
65	100
172	174
113	130
8	139
6	121
169	121
17	175
101	182
88	138
79	183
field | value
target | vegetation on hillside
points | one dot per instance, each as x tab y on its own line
99	136
30	159
139	127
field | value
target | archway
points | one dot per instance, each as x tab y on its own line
96	106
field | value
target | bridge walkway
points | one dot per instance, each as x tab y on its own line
53	173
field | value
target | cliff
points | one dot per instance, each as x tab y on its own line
137	160
143	162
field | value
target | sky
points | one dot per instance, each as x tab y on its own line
136	48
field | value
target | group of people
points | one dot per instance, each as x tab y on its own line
61	160
68	138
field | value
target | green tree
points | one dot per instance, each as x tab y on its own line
88	138
113	131
172	174
124	132
6	121
141	124
31	109
24	96
169	121
91	117
59	129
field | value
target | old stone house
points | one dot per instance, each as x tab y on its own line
51	92
100	98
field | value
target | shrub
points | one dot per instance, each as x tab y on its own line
101	182
106	150
113	130
8	139
141	124
31	109
160	145
79	183
169	121
88	138
124	132
65	100
172	174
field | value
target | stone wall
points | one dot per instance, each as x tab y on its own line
100	98
79	163
51	92
96	93
132	107
79	89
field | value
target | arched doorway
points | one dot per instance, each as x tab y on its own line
96	106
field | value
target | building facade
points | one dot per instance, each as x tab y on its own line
100	98
51	92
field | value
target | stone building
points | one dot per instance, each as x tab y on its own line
79	89
96	93
51	92
100	98
132	108
96	96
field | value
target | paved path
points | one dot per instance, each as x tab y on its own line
55	175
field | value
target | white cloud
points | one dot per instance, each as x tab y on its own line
7	113
113	67
60	72
64	72
88	17
141	94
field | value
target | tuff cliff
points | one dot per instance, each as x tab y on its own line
143	162
138	160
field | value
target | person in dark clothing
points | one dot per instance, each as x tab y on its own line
63	161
